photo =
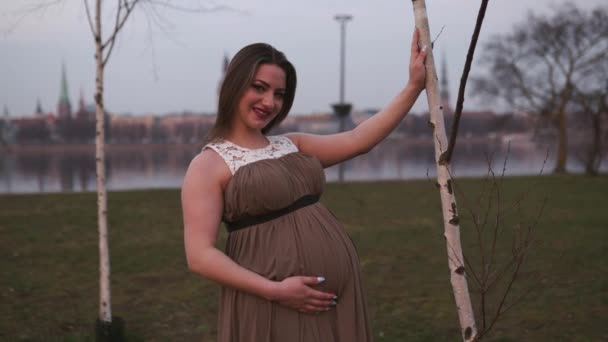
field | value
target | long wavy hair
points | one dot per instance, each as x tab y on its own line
239	75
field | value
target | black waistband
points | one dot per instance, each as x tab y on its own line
253	220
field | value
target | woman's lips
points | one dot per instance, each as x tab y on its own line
260	113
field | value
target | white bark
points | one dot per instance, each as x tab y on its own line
105	308
448	200
103	50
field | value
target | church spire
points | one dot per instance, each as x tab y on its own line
64	85
64	108
445	87
38	107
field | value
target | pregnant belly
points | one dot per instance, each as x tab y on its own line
307	242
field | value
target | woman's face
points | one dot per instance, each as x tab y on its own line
263	98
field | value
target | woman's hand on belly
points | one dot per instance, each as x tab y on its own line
296	293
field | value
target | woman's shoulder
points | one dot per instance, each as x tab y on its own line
206	158
209	165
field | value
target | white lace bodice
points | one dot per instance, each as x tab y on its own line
237	156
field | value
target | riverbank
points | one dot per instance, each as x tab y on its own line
49	274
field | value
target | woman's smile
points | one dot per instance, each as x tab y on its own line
262	114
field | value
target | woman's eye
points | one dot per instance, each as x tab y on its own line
258	87
279	95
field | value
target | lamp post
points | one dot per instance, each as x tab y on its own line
342	109
342	19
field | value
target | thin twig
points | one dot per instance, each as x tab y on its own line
25	12
112	40
437	36
200	9
89	18
493	271
151	46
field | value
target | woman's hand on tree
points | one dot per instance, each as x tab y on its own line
417	59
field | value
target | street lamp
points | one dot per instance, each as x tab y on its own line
342	19
342	109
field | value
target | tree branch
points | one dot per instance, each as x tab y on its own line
28	10
90	19
526	92
120	24
463	80
117	19
200	9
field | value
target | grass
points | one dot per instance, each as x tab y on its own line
48	258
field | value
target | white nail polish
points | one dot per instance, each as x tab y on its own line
424	48
320	279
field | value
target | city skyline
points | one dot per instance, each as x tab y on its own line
177	68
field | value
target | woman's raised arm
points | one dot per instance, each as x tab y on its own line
335	148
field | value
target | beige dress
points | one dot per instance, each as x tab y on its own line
308	241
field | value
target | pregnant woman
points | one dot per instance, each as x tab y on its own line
289	271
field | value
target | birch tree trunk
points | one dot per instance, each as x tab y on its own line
111	328
105	308
448	200
108	328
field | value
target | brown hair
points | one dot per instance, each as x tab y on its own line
238	77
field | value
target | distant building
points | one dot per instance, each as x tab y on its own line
82	125
40	128
320	123
85	112
187	127
172	128
130	128
192	128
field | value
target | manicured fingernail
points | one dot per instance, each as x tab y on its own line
424	48
335	298
320	279
333	303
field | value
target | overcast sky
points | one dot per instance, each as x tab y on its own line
171	61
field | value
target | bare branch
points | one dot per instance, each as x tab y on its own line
151	43
437	36
495	271
117	19
463	80
526	92
197	9
121	22
23	13
90	19
497	186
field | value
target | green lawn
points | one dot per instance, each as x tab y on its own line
48	262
